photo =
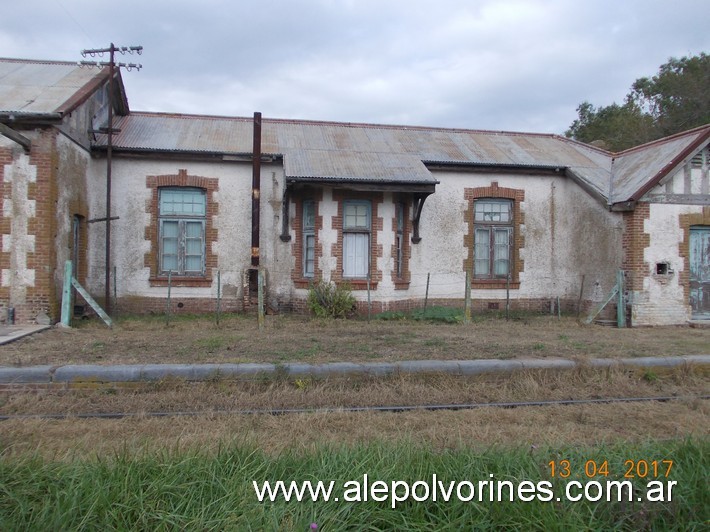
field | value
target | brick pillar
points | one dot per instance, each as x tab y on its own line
634	242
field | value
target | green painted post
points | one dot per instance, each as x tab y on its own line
66	294
621	302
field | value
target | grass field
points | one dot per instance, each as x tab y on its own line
198	339
195	472
173	490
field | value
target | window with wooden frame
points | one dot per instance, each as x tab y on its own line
309	238
357	222
399	210
181	217
493	234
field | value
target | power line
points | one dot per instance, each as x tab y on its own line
74	20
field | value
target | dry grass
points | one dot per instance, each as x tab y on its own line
282	393
550	425
545	426
290	338
294	338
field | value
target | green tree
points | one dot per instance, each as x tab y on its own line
678	97
674	100
614	127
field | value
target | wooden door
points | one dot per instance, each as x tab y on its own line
700	271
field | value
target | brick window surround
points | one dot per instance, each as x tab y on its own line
495	192
151	259
297	276
376	224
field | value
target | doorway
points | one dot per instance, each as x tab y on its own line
700	272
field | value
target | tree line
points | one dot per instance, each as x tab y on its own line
676	99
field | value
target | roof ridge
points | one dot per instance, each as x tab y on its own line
662	140
38	61
298	121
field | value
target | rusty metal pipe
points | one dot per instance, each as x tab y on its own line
256	191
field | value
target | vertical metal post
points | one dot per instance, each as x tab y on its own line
559	310
219	295
579	300
109	152
369	302
261	298
467	300
507	297
66	294
115	291
426	294
256	191
167	304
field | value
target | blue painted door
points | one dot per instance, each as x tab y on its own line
700	271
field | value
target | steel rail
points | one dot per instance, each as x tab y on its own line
351	409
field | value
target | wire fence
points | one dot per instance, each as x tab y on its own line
451	288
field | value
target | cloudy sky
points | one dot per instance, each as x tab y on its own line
516	65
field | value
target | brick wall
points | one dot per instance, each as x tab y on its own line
39	293
178	305
634	242
5	227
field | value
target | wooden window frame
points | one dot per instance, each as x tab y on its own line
308	235
357	230
152	259
492	226
517	239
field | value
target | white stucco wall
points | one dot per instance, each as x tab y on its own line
567	234
662	300
130	197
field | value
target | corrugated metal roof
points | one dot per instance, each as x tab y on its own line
41	87
367	152
635	168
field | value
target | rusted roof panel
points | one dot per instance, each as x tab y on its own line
41	87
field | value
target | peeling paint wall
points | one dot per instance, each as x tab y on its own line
566	234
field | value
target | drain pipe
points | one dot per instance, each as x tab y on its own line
256	191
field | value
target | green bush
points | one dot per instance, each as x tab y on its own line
327	300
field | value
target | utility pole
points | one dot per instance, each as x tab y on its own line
109	131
